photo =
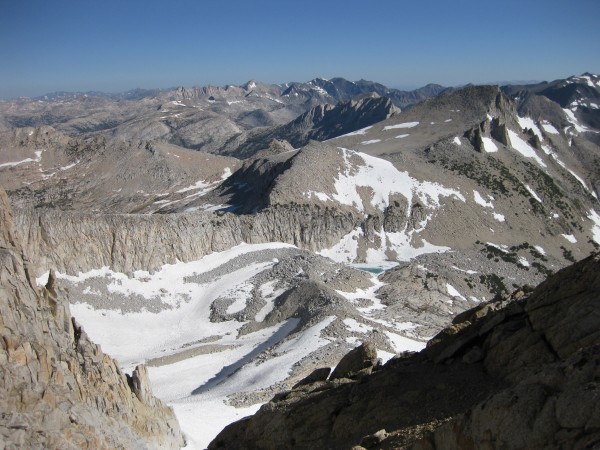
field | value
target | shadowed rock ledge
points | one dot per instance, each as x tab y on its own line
519	372
57	388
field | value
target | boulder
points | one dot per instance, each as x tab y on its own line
357	362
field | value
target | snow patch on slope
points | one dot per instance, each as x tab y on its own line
384	180
345	251
365	173
204	186
481	201
523	148
549	128
453	292
595	217
533	194
571	118
488	145
362	131
37	159
528	122
401	125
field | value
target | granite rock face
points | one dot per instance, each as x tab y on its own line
519	372
57	388
73	242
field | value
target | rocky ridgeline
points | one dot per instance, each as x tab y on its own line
519	372
57	388
320	123
73	242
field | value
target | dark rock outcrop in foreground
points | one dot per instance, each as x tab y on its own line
521	372
57	388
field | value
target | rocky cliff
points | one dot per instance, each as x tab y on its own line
520	372
71	242
57	388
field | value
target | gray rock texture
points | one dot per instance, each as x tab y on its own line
57	388
73	242
519	372
359	361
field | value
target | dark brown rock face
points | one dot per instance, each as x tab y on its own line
57	388
520	372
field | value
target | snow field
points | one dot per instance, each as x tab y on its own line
215	361
195	364
186	321
384	180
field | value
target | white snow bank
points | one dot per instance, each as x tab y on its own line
384	180
571	118
357	327
489	146
202	184
549	128
533	194
595	217
345	251
528	122
198	385
523	148
453	292
481	201
402	344
37	159
401	125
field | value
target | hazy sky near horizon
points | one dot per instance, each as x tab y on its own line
113	46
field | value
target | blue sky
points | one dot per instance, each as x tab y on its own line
113	46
